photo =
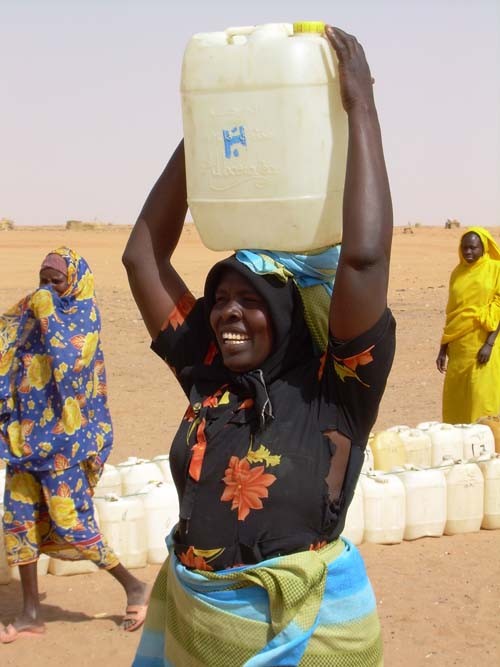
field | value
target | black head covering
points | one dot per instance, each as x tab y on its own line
291	340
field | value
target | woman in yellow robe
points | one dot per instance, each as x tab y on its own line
472	384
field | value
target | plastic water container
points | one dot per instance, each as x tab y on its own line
477	440
135	473
109	482
399	428
490	468
368	460
65	568
161	506
265	138
388	450
123	524
494	424
465	499
446	442
418	447
425	426
425	503
355	518
5	573
163	462
384	508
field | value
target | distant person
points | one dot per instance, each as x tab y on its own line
55	434
468	353
269	451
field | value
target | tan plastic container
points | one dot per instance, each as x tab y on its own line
265	138
418	447
388	450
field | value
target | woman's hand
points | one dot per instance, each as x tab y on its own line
484	354
356	82
441	359
360	294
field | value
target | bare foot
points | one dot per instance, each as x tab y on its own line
137	607
20	628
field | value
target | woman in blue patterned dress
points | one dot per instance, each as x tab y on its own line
55	434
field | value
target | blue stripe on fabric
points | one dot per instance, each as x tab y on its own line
251	603
285	649
151	650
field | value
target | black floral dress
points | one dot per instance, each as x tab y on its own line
247	494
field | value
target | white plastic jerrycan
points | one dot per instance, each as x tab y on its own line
163	462
477	439
265	137
109	482
425	502
136	473
384	508
122	522
465	499
490	467
355	518
161	507
446	442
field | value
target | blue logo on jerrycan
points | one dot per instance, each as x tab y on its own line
231	137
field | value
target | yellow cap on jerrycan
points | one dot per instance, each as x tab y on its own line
265	137
309	27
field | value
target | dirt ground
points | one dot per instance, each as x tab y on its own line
439	599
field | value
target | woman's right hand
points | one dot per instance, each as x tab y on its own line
441	359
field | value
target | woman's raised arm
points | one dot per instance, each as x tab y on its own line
360	292
155	284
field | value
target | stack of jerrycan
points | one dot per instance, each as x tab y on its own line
265	137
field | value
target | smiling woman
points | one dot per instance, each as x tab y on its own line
284	372
240	320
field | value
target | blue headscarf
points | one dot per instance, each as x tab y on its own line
53	398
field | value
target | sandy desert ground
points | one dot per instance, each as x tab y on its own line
439	599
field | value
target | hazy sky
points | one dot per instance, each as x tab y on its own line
90	109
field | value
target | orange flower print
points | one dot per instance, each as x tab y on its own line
316	546
347	367
61	462
361	359
190	559
245	486
182	309
198	452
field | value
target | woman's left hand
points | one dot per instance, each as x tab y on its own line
356	82
484	354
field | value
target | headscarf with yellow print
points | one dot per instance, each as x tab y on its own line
53	399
